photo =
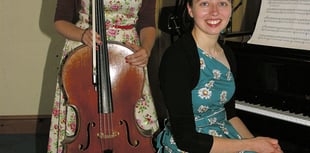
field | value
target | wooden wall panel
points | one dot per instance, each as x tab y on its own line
24	124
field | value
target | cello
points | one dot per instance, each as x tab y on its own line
102	89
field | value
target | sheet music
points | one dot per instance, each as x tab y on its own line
283	23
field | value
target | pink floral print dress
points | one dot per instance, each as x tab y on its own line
121	16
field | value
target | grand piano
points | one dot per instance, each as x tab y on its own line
273	91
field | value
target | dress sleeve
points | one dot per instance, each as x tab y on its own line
176	78
146	15
67	10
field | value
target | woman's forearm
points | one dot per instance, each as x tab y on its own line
241	128
69	30
147	38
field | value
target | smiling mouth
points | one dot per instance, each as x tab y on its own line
213	22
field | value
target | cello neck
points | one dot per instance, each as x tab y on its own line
103	84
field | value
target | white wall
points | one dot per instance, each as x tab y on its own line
29	56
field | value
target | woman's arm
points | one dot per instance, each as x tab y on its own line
146	25
142	52
176	75
257	144
147	32
69	30
241	128
66	15
248	143
147	39
72	32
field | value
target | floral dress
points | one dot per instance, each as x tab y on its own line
215	87
121	17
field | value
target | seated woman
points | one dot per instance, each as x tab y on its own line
197	82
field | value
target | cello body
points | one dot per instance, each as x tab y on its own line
98	132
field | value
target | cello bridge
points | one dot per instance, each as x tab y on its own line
102	135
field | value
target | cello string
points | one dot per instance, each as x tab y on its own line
105	122
94	60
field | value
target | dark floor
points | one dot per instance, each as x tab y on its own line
24	143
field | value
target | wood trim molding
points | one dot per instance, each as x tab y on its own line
25	124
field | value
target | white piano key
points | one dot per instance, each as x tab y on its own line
273	113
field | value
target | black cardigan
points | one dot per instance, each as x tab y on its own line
179	74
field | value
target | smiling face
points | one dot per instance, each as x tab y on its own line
210	16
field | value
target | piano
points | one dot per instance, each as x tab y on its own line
286	115
273	92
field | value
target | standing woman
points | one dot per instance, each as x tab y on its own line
197	82
128	21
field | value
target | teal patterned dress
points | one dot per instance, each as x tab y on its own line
216	87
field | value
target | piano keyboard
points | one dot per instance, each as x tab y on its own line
273	113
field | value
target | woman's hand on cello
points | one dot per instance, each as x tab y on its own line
87	38
140	56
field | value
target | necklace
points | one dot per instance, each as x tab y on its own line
209	45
